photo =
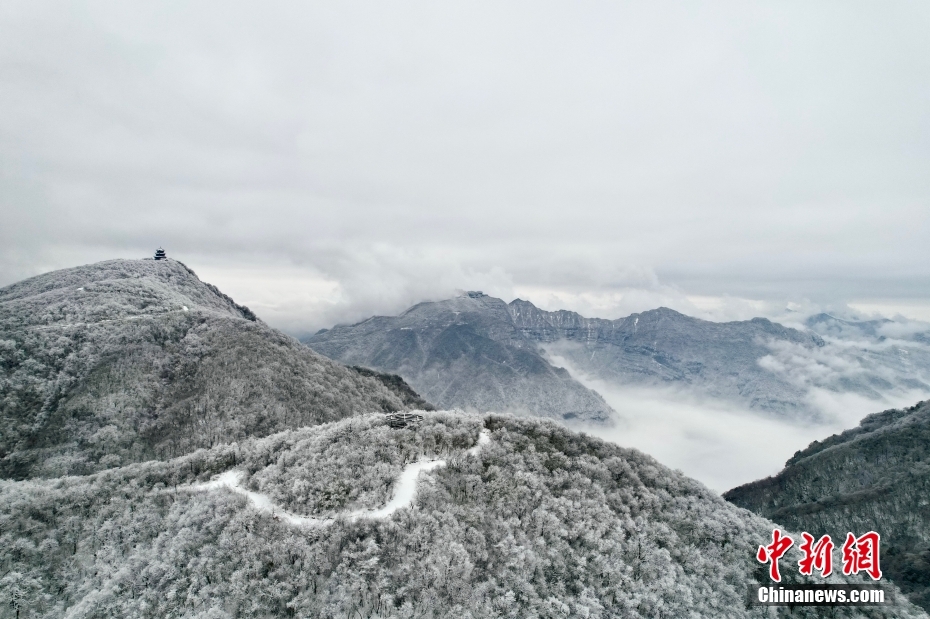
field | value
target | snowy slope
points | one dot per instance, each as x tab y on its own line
541	522
128	360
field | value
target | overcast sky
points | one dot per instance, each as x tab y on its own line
322	162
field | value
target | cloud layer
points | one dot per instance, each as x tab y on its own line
718	443
327	162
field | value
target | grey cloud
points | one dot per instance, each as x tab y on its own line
901	327
403	150
723	444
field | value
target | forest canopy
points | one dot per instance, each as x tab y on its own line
541	522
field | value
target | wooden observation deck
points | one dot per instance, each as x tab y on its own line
402	420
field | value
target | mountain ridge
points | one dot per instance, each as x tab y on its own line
464	353
664	347
656	348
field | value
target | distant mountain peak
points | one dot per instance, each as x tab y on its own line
464	352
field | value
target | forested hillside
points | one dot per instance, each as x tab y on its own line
873	477
399	386
129	360
541	522
464	353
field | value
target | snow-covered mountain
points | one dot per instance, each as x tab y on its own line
873	477
129	360
537	521
467	353
476	351
663	347
205	465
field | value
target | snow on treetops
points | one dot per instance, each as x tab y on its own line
539	522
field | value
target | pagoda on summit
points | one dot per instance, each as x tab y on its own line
160	254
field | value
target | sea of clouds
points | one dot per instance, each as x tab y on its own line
724	444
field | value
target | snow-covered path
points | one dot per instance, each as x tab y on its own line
484	437
405	490
261	502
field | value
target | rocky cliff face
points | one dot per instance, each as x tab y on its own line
757	363
662	347
129	360
873	477
464	353
472	350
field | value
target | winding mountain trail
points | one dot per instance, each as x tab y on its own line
405	490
